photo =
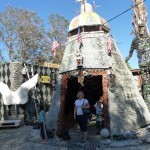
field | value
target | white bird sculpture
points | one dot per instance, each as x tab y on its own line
19	96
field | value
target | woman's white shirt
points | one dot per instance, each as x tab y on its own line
79	103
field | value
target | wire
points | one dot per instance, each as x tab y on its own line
121	14
124	12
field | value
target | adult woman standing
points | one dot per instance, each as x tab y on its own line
80	103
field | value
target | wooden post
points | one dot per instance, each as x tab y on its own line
61	117
105	101
100	28
2	111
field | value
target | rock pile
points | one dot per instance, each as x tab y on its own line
144	134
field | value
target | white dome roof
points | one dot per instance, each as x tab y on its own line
86	18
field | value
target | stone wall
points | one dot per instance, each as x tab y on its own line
128	110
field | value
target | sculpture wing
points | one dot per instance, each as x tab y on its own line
6	93
22	92
30	83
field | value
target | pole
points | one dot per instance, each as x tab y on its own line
2	111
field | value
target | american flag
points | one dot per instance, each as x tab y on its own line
79	36
55	45
109	44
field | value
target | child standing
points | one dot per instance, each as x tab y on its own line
42	119
99	112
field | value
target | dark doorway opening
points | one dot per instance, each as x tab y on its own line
72	88
92	88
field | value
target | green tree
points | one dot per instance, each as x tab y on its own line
58	31
23	36
45	47
21	32
1	57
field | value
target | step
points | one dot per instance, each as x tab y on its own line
10	123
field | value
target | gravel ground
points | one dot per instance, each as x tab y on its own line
25	138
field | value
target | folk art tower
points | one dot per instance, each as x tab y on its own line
92	62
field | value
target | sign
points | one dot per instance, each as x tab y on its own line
45	79
51	65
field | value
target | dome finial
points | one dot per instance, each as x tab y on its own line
83	2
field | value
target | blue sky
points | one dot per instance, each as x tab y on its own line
120	28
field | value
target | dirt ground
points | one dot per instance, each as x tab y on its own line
27	138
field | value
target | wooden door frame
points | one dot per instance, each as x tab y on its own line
61	117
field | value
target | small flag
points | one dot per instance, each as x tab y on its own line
94	4
79	36
109	44
55	45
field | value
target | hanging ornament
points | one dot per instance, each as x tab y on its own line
81	77
79	60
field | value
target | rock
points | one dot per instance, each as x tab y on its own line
125	135
125	143
105	141
143	134
104	133
148	127
147	140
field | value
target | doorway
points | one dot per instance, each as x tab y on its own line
92	88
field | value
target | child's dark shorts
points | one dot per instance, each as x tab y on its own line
99	124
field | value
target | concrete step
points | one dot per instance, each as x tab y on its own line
10	123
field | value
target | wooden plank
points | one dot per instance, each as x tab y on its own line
61	118
105	101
